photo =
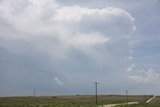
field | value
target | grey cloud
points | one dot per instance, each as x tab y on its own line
72	52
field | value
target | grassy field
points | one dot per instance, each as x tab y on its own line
69	101
154	103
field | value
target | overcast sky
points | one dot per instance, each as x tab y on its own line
62	47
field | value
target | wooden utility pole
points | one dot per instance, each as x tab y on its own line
127	97
96	92
34	92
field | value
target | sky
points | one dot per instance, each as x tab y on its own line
62	47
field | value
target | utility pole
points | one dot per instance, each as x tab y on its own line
145	98
127	95
34	92
96	92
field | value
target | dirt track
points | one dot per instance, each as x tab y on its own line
150	99
113	105
129	103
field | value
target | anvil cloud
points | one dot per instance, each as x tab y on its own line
53	46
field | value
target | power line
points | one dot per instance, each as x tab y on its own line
24	66
2	62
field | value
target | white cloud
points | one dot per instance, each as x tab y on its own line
73	38
151	76
109	20
81	27
87	40
130	57
59	82
31	17
130	68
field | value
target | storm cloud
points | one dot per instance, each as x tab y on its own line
49	46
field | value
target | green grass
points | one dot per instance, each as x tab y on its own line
67	101
141	105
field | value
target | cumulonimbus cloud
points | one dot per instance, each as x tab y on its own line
59	31
66	23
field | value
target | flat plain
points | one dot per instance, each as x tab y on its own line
77	101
